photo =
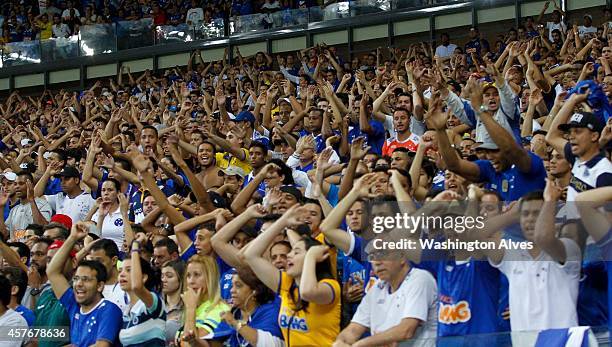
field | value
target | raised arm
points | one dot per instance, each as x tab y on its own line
59	283
545	233
331	224
136	277
221	241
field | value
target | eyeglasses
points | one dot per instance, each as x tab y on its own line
75	279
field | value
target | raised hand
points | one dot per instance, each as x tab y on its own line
358	148
365	185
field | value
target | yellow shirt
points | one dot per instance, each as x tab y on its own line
45	30
318	325
333	254
225	159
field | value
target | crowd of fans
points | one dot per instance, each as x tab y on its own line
40	20
232	202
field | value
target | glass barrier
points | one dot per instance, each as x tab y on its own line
108	38
98	39
59	48
21	53
596	336
214	29
168	34
134	34
363	7
262	21
330	12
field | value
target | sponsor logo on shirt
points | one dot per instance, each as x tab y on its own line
454	313
293	323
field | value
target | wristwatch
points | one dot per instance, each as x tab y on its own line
34	291
484	108
240	324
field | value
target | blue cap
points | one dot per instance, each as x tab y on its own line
244	116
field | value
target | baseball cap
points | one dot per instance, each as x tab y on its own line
233	170
488	145
289	189
488	85
279	101
11	176
588	16
244	116
69	171
63	219
583	120
57	244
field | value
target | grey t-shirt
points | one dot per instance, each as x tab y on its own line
21	216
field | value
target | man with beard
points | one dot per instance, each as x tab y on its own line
93	319
37	277
404	137
48	310
30	210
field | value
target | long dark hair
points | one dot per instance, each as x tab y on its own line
263	294
152	282
323	270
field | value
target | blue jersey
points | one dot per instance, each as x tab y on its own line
512	184
226	283
103	322
376	140
54	186
468	295
264	318
606	250
27	314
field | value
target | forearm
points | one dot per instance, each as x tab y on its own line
347	181
37	217
41	185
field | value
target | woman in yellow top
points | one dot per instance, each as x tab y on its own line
44	26
202	299
310	296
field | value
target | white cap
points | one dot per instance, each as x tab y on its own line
11	176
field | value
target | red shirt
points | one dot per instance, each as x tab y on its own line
412	143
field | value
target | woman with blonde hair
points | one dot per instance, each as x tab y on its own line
202	299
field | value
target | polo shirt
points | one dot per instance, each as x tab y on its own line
415	298
49	312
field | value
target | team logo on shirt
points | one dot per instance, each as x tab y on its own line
454	313
119	222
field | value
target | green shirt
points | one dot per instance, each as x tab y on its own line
50	313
